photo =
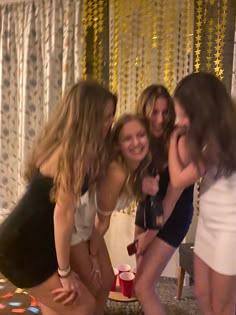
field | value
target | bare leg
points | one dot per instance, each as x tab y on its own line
202	288
81	264
153	263
137	231
46	310
223	291
84	305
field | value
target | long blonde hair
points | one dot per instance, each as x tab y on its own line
76	127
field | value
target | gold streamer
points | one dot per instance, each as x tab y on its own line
189	39
85	22
93	27
199	18
220	39
159	39
169	45
114	46
150	42
209	44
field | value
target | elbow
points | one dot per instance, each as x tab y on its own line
176	184
105	228
64	216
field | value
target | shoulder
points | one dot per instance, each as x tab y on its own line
116	172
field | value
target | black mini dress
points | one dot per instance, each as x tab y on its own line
27	247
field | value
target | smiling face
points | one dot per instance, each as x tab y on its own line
133	142
182	120
158	116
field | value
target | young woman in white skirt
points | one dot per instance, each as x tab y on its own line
205	113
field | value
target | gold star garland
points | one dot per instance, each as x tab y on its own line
158	37
93	19
144	45
199	16
189	39
113	62
182	41
169	45
209	53
220	38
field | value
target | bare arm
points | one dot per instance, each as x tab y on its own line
183	172
178	154
102	223
63	226
107	194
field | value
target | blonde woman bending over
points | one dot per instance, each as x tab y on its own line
35	239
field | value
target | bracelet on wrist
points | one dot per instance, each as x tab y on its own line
63	273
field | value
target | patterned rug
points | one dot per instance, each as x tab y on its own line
17	301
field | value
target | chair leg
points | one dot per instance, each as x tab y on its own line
180	282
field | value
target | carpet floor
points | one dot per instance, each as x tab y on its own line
17	301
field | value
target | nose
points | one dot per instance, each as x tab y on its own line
135	141
159	118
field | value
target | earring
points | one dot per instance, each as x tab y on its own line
204	148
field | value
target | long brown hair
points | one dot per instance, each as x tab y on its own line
76	127
134	179
145	106
212	116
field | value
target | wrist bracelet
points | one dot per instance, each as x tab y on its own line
63	273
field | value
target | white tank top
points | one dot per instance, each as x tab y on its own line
85	215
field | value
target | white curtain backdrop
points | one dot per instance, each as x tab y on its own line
40	49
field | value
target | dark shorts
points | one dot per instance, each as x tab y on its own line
175	228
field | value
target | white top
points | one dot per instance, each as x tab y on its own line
215	240
218	201
85	215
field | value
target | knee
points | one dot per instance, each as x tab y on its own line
220	306
108	280
201	295
142	288
90	308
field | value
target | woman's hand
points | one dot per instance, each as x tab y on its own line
68	293
179	132
96	274
144	240
150	185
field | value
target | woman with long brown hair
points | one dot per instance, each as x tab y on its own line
156	246
206	116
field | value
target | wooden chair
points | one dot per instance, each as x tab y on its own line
185	265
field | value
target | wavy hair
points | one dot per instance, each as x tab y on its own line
76	127
212	116
145	106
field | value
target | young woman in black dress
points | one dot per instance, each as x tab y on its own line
155	248
35	250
